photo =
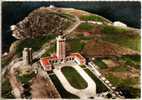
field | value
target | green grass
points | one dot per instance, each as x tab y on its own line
74	77
5	62
68	16
125	85
99	85
82	37
91	17
82	66
120	69
24	79
133	61
60	88
119	81
86	26
118	36
111	29
35	43
65	15
6	90
100	63
50	51
75	44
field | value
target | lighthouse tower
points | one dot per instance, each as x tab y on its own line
60	52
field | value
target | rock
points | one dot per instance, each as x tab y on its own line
40	22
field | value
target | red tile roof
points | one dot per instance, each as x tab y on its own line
78	55
45	61
45	64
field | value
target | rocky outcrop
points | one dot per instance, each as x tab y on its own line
41	22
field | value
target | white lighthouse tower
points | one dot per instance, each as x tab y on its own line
60	52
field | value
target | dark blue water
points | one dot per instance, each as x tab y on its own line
13	12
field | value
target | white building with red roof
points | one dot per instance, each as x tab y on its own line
60	57
79	58
46	64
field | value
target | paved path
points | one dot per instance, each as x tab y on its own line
17	88
90	91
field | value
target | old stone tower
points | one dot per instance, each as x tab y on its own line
27	56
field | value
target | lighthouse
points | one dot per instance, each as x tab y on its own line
60	52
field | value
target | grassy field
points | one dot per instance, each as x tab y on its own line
74	77
111	29
118	36
50	51
75	44
100	86
86	26
119	81
133	61
82	37
4	62
120	69
60	88
35	43
135	58
92	18
100	64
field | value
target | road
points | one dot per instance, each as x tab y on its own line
17	88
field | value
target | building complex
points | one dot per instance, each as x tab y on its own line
60	57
